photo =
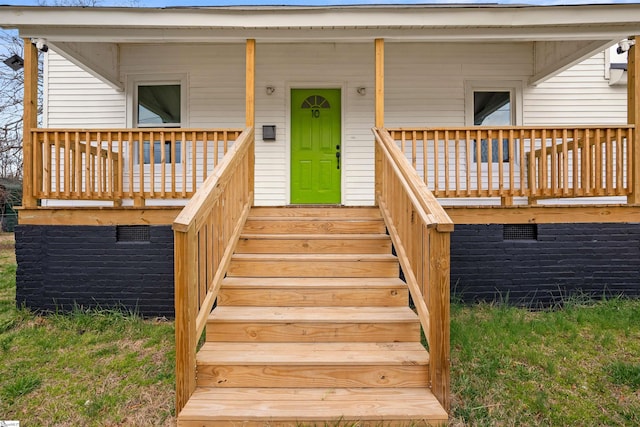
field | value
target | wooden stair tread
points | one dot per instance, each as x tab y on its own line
315	211
313	292
313	265
223	314
313	225
319	236
303	354
296	405
336	243
312	282
316	257
314	218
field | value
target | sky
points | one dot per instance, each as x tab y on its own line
172	3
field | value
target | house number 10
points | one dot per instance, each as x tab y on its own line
315	113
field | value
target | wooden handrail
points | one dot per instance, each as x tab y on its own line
508	161
205	235
116	164
420	230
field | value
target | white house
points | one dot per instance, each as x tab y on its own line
276	140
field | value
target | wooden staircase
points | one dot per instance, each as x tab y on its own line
312	326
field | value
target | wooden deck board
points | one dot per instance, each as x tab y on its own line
313	225
312	282
327	346
314	265
309	243
313	292
313	404
225	314
317	211
301	354
320	375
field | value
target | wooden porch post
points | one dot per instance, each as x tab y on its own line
30	121
250	91
379	107
633	113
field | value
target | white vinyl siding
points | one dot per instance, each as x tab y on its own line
580	95
76	99
215	92
326	65
430	85
425	82
425	86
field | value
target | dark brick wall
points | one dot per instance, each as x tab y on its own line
565	260
59	266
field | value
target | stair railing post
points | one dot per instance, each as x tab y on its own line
185	270
436	246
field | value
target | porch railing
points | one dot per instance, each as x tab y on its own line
116	164
534	162
420	230
205	236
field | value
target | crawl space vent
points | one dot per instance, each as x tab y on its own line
520	232
132	233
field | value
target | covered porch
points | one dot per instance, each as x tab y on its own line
419	161
526	171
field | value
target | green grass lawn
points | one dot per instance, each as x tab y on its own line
575	366
82	369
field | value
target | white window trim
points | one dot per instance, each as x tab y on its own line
512	86
135	80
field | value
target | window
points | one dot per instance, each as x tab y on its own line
492	108
157	153
492	104
158	104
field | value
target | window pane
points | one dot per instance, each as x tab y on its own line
492	108
157	154
158	104
495	153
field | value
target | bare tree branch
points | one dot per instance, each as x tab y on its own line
12	90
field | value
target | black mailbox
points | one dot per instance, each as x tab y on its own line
269	132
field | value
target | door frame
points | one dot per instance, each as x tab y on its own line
343	148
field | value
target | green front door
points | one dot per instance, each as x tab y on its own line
315	146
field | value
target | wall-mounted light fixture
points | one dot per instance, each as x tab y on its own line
14	62
41	44
362	91
625	45
270	90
